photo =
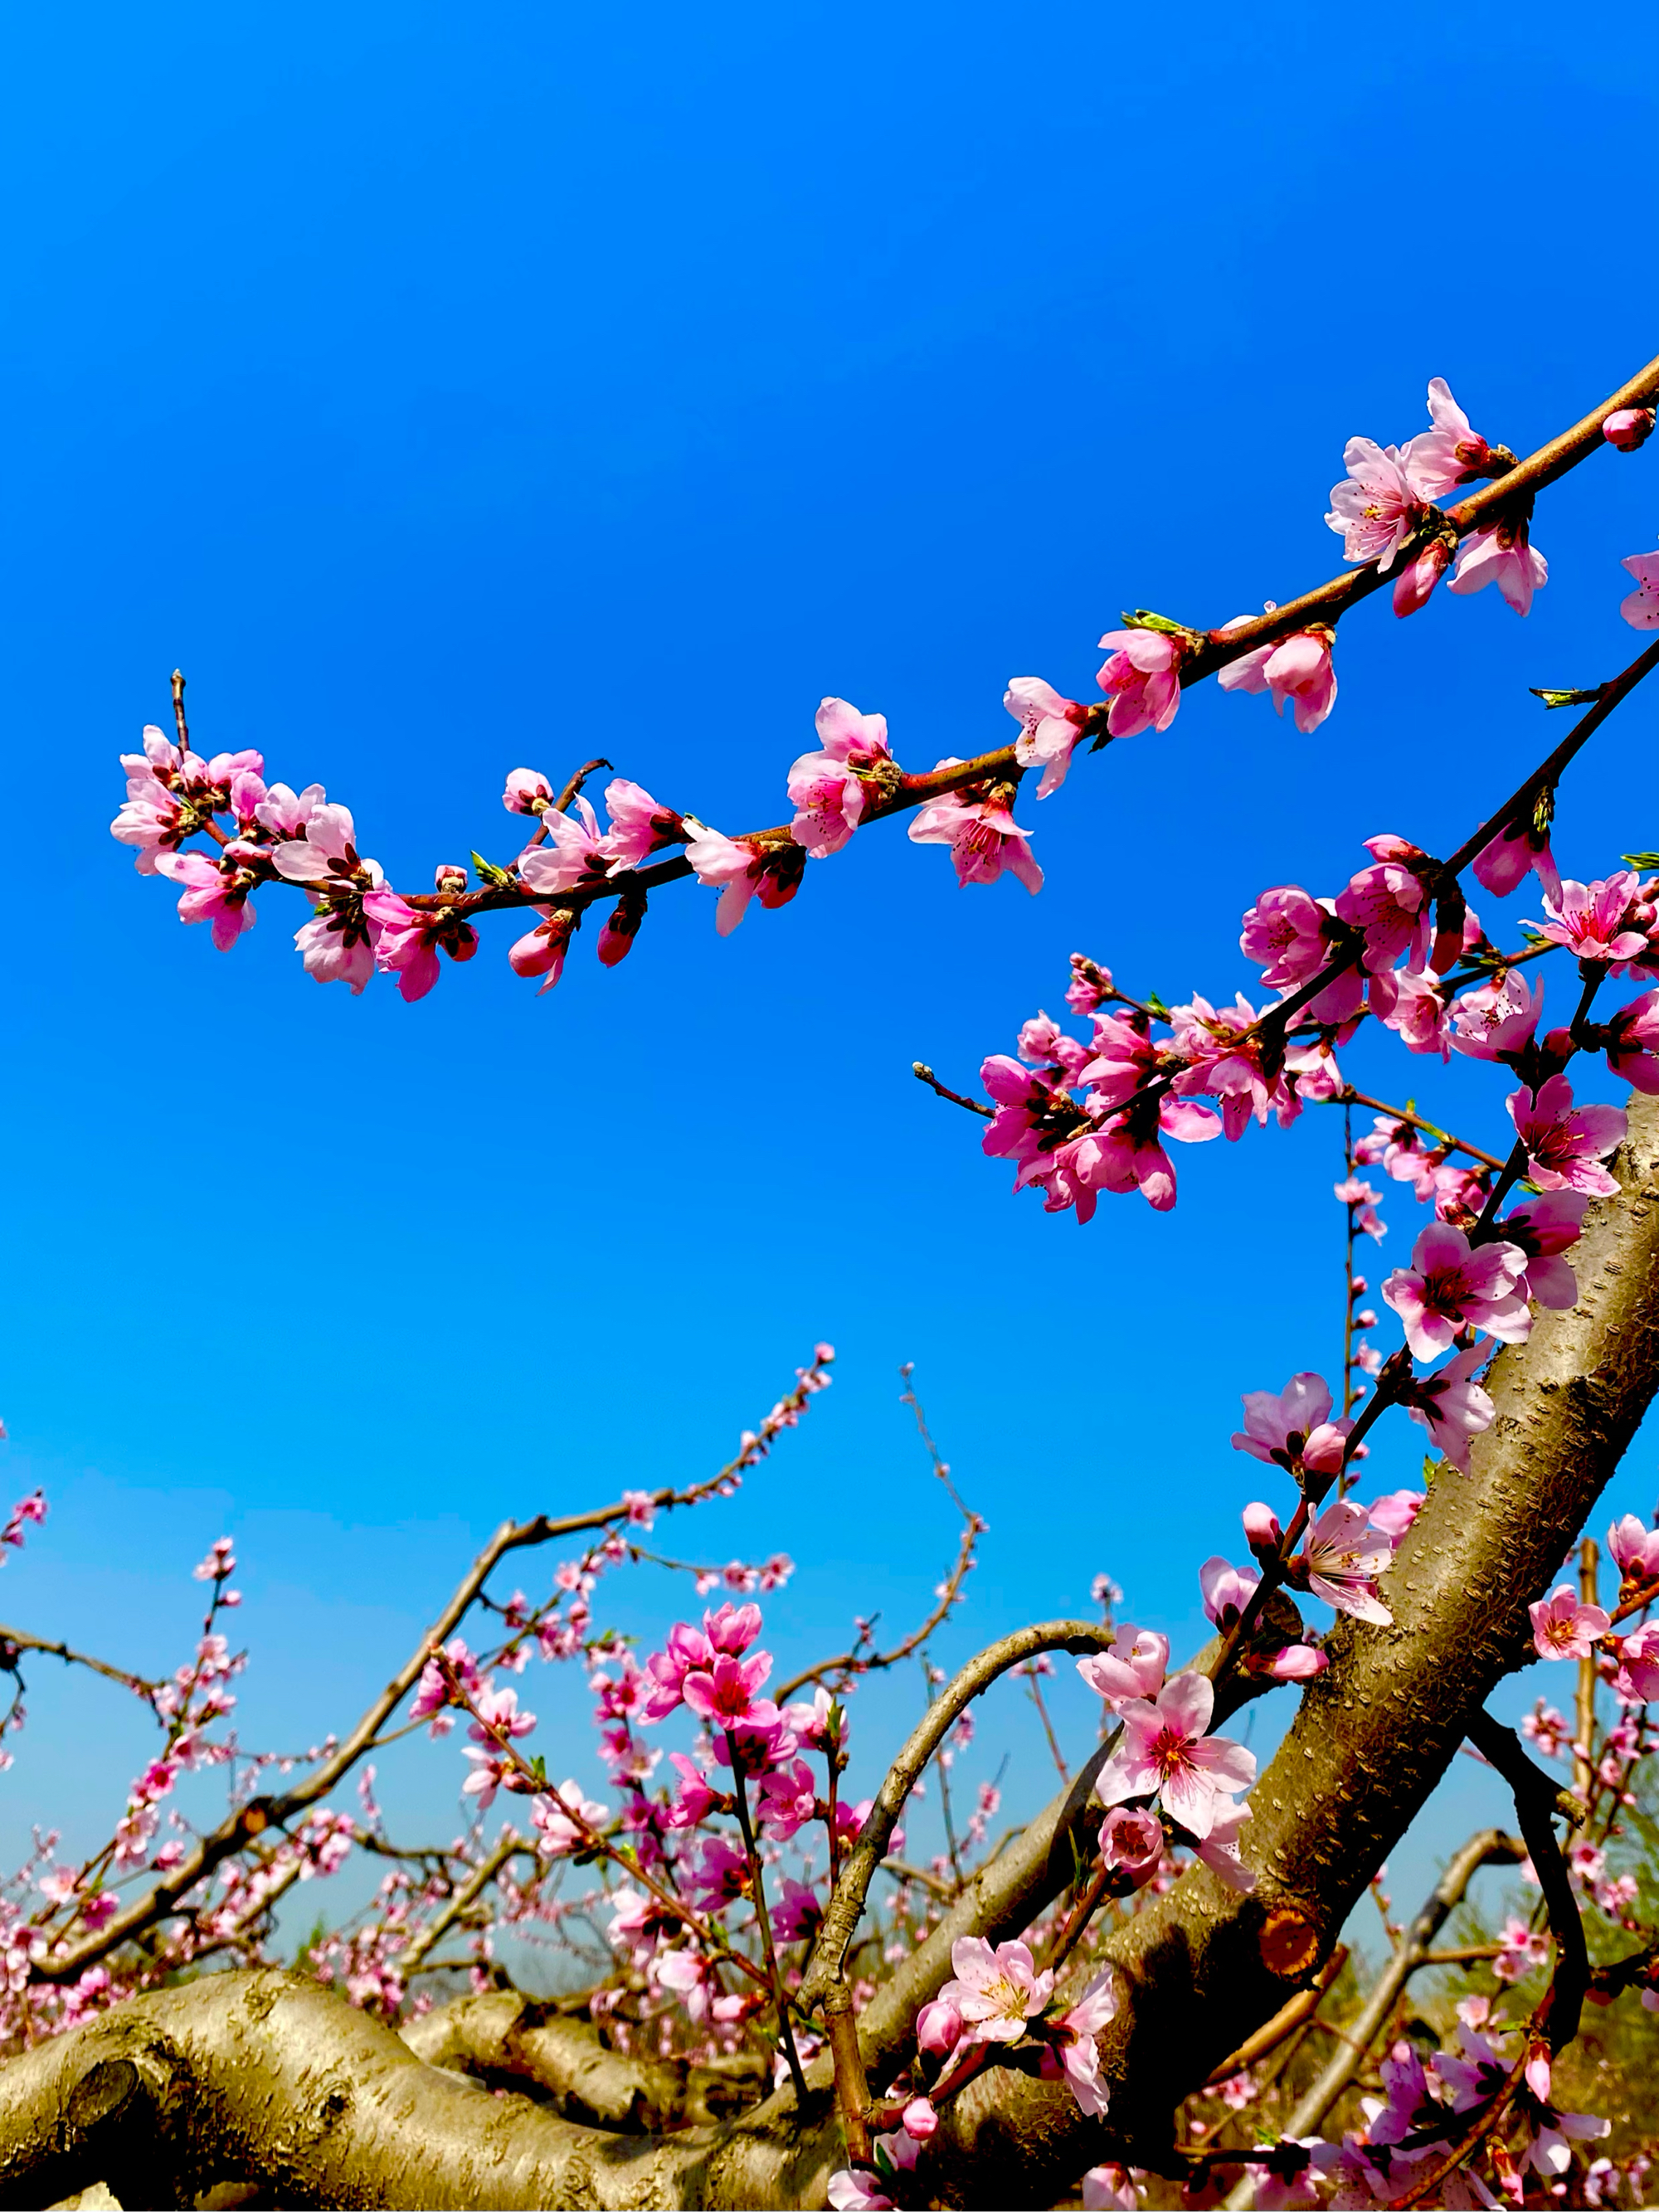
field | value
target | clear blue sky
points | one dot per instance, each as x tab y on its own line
446	390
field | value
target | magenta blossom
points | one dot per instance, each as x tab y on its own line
1376	510
1165	1751
1504	554
1388	903
1565	1145
983	836
1141	676
1292	938
1132	1668
1564	1626
1132	1844
1633	1043
724	1694
1640	609
213	891
826	786
1596	921
1544	1229
1637	1679
1049	727
1523	847
1293	1428
1497	1019
1297	668
1452	1406
994	1992
1452	1286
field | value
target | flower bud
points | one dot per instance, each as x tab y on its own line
939	2028
1627	428
1416	582
449	878
918	2119
621	928
1262	1531
528	791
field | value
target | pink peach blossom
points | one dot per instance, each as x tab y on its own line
1294	1427
1565	1145
1452	1406
1141	676
1375	509
827	793
1504	555
741	869
1640	608
1414	586
542	950
212	893
1497	1018
406	941
1344	1552
1131	1843
1634	1549
1545	1228
1132	1668
1451	454
1389	903
528	791
983	836
939	2028
1633	1043
1564	1626
1049	727
1452	1286
995	1992
1227	1589
1415	1006
1638	1679
1596	921
1165	1750
638	826
1627	428
1072	2055
1297	668
1292	937
1219	1850
573	855
1521	848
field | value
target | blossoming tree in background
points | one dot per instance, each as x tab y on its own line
1140	1995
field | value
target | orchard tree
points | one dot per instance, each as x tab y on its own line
1124	1996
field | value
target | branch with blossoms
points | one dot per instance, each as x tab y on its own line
263	835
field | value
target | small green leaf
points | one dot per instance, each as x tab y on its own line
498	879
1155	1005
1640	860
1565	698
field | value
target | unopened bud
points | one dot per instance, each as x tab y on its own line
1262	1531
1627	428
939	2028
918	2119
448	877
621	928
1416	582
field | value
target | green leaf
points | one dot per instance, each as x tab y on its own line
1640	860
1565	698
498	879
1155	1005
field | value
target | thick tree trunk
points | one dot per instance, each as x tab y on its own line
269	2078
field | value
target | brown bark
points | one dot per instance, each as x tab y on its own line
511	2041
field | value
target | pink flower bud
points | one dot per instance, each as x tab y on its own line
1262	1530
918	2119
939	2028
449	878
1416	582
1627	428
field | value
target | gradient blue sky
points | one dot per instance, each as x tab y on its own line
446	390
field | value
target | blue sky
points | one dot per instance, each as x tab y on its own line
450	390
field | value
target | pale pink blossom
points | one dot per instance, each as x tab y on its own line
406	940
1450	455
326	854
1499	1017
1452	1405
1344	1552
1165	1750
528	791
1544	1228
1395	1510
846	2191
638	825
983	836
1634	1549
1415	1006
741	869
541	952
1049	727
1293	1427
1219	1850
565	1817
1550	2132
572	857
1141	676
1071	2054
995	1992
1131	1843
1452	1286
1375	510
1567	1144
1297	668
337	946
1596	921
1505	555
212	892
1227	1589
1640	608
826	787
1132	1668
1564	1626
1627	428
919	2120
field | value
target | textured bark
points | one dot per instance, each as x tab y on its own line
1373	1736
511	2041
